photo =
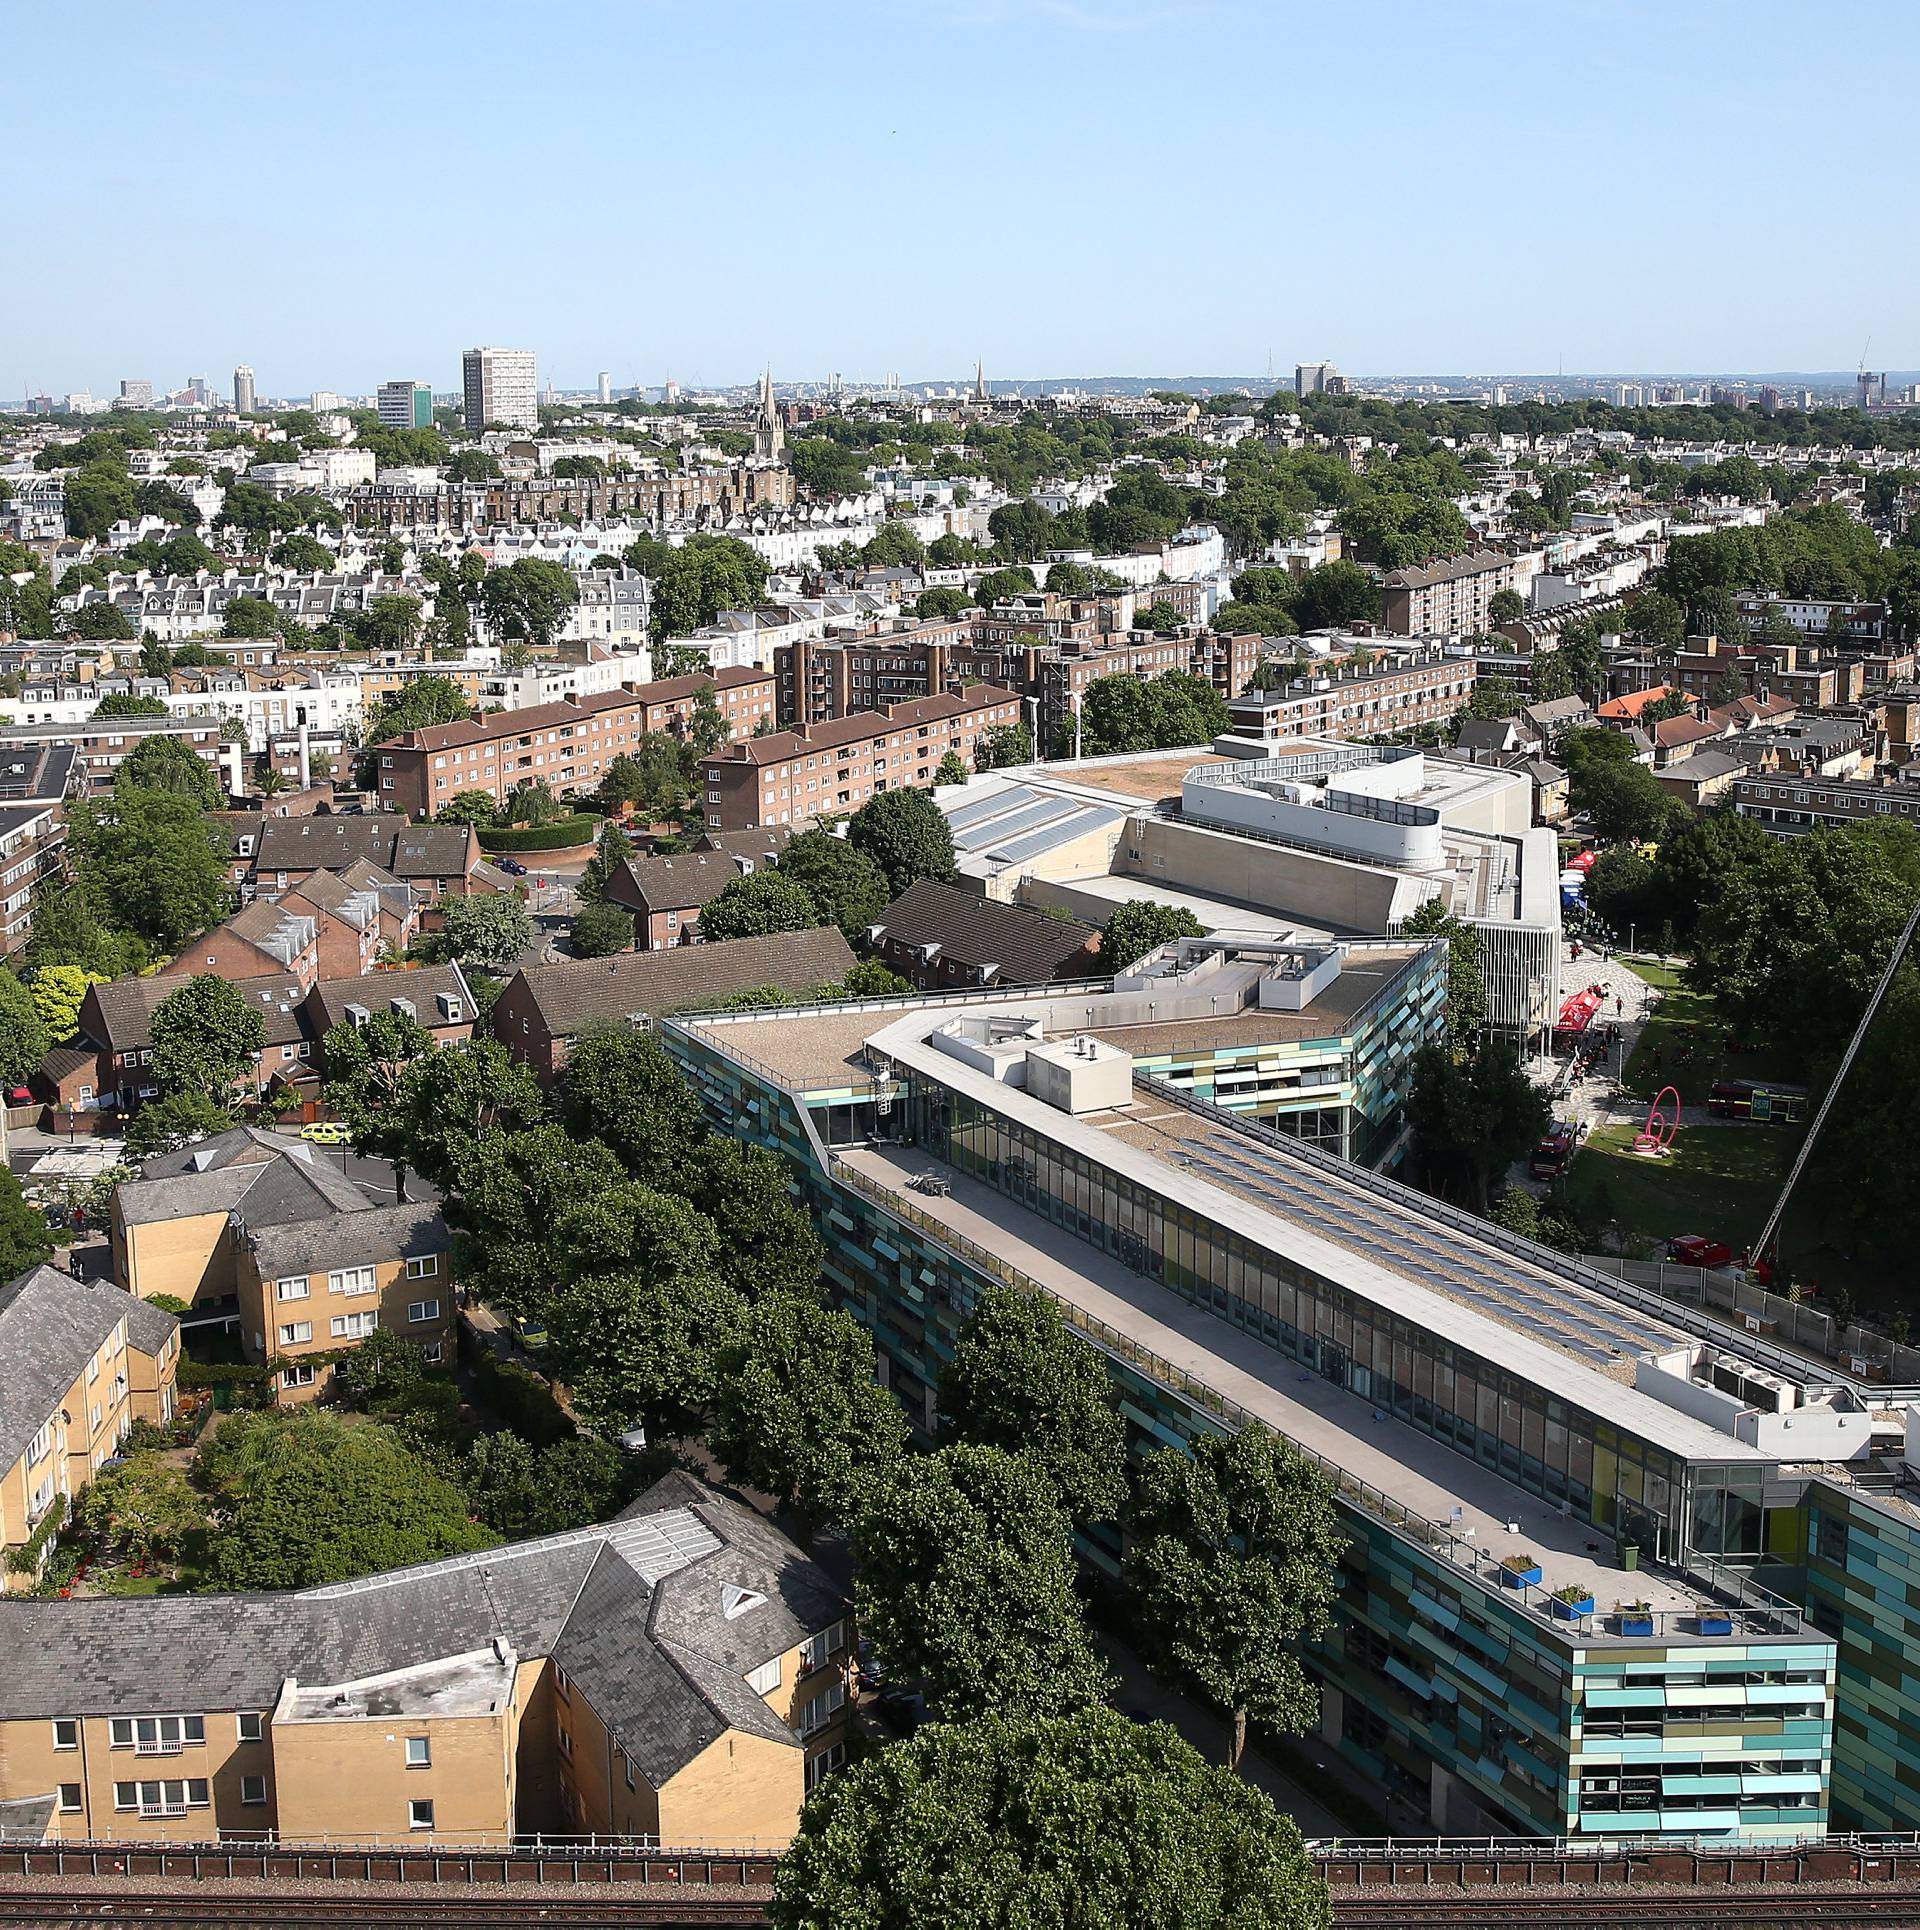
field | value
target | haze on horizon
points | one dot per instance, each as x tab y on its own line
1055	187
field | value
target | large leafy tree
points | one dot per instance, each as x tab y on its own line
620	1086
1143	925
24	1240
848	887
760	903
528	600
1020	1379
148	862
65	931
489	931
1472	1115
906	835
519	1490
24	1037
694	581
1467	1003
206	1038
965	1581
797	1411
1623	800
600	930
443	1101
767	1241
420	702
306	1498
58	992
1232	1563
169	764
177	1119
1058	1824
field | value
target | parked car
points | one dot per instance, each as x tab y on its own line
512	867
328	1132
1554	1154
1696	1250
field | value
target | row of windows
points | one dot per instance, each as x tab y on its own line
355	1281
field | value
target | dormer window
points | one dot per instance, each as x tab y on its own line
736	1601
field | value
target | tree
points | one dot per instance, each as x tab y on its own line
391	623
1471	1118
1232	1563
444	1101
306	1498
148	862
65	931
177	1119
1334	595
305	554
100	622
1004	745
24	1239
847	888
96	499
519	1491
469	807
1505	606
906	834
600	930
996	584
472	466
1143	925
416	705
251	616
529	599
621	1087
964	1579
171	764
943	600
58	993
1079	1820
365	1065
1656	619
1020	1379
206	1036
533	803
489	932
757	904
1622	800
1468	1007
24	1037
797	1411
767	1242
694	581
124	703
1493	698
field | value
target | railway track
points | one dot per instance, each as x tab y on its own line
1560	1909
203	1909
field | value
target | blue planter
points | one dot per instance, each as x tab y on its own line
1571	1611
1636	1625
1714	1624
1519	1577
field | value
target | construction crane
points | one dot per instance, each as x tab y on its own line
1771	1231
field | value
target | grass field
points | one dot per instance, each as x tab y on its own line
1719	1180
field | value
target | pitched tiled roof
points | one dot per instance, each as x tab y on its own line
1006	944
571	996
378	991
127	1005
50	1326
673	884
860	725
363	1237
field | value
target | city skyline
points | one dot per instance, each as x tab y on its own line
1452	213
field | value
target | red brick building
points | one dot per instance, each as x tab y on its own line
831	769
567	746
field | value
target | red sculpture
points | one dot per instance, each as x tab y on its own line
1662	1123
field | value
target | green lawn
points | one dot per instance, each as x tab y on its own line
1720	1180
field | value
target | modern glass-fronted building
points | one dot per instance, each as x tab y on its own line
1604	1554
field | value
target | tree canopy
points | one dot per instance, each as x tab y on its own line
206	1037
1143	925
907	836
148	862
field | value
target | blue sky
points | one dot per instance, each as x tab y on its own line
344	193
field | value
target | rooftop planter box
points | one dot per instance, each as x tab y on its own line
1517	1571
1713	1624
1572	1602
1636	1619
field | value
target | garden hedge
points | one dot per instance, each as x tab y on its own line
563	835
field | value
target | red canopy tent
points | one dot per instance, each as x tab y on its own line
1576	1013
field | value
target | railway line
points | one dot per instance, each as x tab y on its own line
201	1908
1570	1909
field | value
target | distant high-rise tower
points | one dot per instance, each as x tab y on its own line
405	405
243	390
769	438
979	381
1872	389
135	394
606	386
500	385
1314	378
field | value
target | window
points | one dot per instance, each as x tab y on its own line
41	1445
430	1353
419	1310
296	1331
253	1791
823	1708
292	1289
248	1727
162	1798
351	1280
420	1813
833	1757
296	1376
561	1685
816	1648
626	1764
70	1796
66	1732
354	1326
419	1752
566	1744
766	1678
424	1266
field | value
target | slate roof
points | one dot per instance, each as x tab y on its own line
761	845
363	1237
385	839
289	1187
377	991
577	993
1008	944
50	1326
634	1610
678	883
126	1007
